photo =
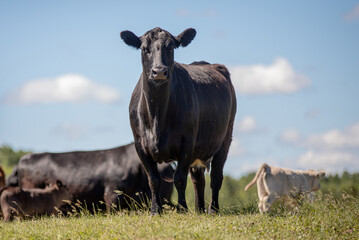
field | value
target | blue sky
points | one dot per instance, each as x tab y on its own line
66	77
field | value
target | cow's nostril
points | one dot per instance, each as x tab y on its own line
165	73
154	72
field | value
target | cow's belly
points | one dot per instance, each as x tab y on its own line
168	146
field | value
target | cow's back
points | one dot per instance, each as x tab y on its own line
85	173
284	181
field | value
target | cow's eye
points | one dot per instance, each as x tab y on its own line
171	50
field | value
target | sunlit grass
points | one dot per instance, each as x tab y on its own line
325	218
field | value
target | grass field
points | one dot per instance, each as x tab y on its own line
326	218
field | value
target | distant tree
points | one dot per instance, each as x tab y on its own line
9	158
337	185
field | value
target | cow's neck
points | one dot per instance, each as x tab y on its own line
155	104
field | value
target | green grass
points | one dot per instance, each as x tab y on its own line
326	218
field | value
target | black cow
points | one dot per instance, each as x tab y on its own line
180	112
92	176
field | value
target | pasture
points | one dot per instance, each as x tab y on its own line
326	218
333	215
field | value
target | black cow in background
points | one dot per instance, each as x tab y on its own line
180	112
92	176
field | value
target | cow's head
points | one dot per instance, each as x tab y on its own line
157	48
314	181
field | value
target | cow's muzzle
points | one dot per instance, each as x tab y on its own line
159	74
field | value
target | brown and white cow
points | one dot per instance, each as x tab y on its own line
274	182
32	202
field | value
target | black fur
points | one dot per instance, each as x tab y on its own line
186	113
91	176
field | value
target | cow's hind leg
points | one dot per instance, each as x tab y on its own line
7	216
262	193
261	203
9	213
217	165
198	180
180	180
181	174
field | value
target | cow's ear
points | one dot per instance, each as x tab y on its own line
321	174
185	37
131	39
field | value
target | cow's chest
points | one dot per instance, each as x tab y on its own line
163	147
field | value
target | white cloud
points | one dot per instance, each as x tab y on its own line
330	161
332	139
333	151
260	79
247	124
353	14
336	139
65	88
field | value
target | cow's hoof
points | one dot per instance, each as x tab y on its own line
201	211
155	213
212	211
181	209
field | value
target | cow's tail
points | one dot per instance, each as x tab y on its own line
260	170
3	188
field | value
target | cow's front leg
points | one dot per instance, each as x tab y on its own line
154	180
111	198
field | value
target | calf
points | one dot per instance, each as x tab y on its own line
31	202
274	182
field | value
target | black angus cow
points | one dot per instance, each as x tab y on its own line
92	176
180	112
